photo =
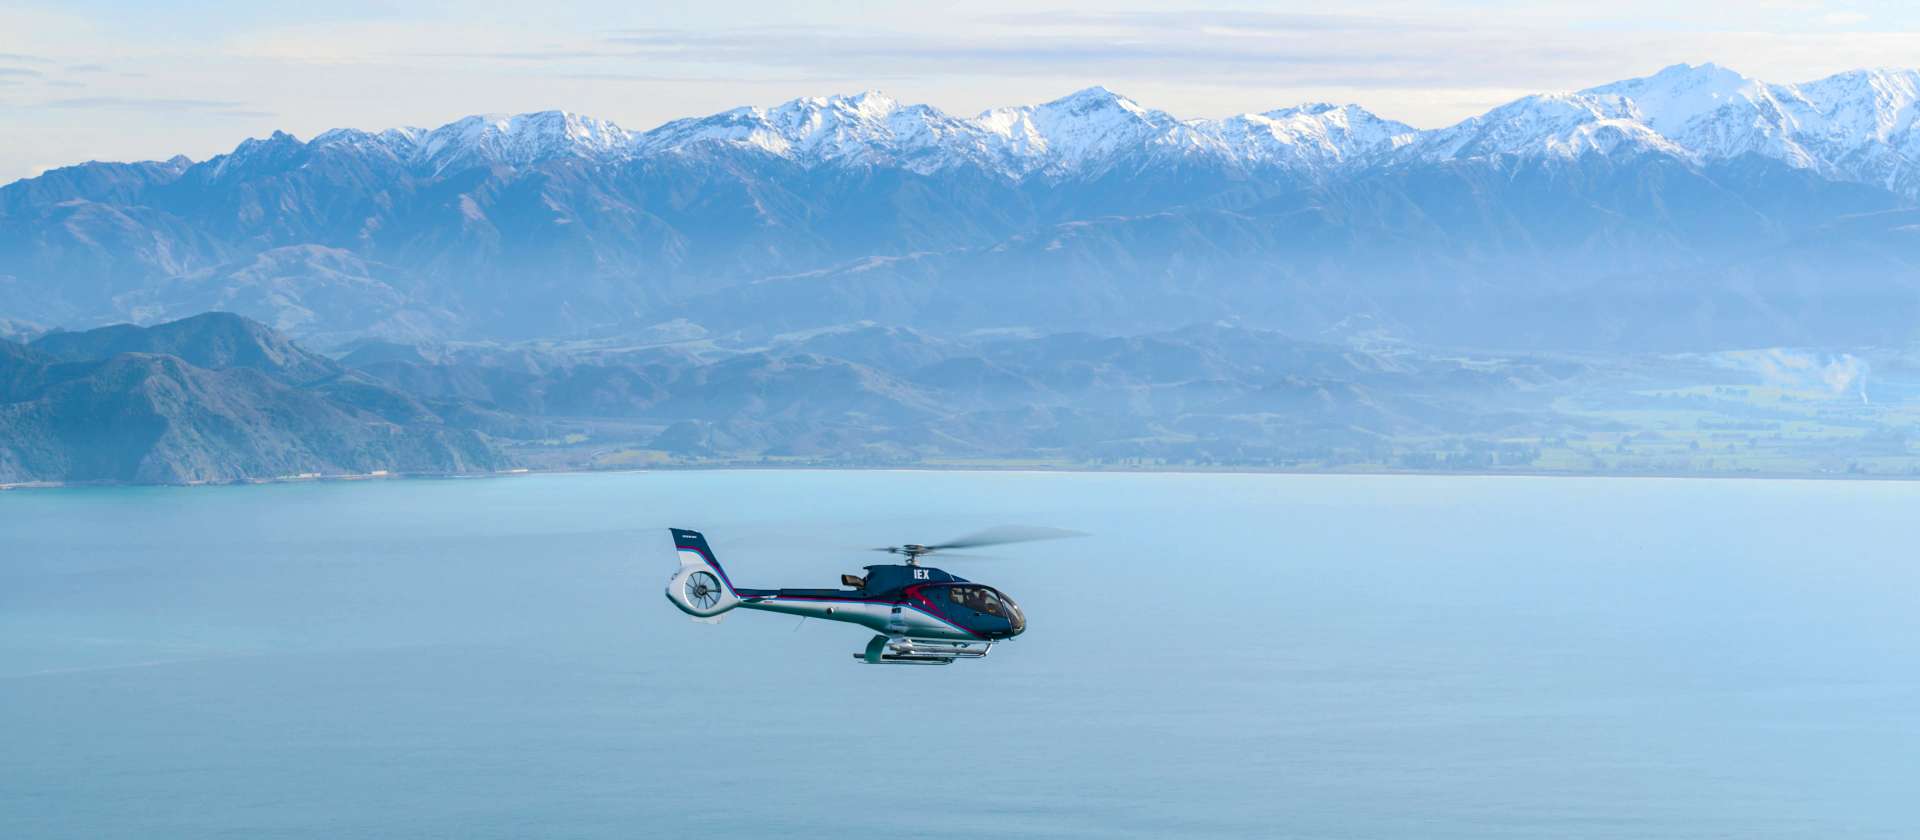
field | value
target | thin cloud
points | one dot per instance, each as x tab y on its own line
709	79
20	73
1167	52
555	54
1215	20
126	103
1310	53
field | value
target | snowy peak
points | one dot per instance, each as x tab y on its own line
1068	134
393	144
1861	105
1348	118
1554	125
1084	129
489	140
1096	102
1315	135
1714	112
519	140
255	154
865	105
866	128
1856	125
1669	100
811	122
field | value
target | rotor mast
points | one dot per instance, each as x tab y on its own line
912	552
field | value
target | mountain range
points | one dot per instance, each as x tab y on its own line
1856	126
1693	209
218	397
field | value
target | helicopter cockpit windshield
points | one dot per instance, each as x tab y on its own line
990	601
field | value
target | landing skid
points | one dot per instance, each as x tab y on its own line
902	650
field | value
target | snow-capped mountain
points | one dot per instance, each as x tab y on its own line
867	128
1071	135
476	141
1560	125
519	140
1712	112
1080	133
1317	135
1857	126
1089	129
1075	134
1091	210
1862	124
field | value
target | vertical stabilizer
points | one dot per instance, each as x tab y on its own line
701	587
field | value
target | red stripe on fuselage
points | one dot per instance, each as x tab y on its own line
931	610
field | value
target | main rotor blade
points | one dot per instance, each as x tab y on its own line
1006	534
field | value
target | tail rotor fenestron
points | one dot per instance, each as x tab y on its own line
700	588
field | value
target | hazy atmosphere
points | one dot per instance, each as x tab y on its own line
1694	271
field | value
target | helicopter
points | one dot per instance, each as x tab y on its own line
920	615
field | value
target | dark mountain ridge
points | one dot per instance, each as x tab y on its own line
215	340
214	398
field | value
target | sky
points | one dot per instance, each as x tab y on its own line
114	80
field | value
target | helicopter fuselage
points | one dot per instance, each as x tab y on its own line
938	606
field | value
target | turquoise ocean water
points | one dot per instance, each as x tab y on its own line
1224	656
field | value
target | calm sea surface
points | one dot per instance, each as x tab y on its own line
1232	656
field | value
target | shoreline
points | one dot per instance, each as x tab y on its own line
1183	469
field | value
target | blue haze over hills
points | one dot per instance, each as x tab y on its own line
1086	279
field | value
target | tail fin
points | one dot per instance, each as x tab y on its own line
701	588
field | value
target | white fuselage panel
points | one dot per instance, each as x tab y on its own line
891	619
